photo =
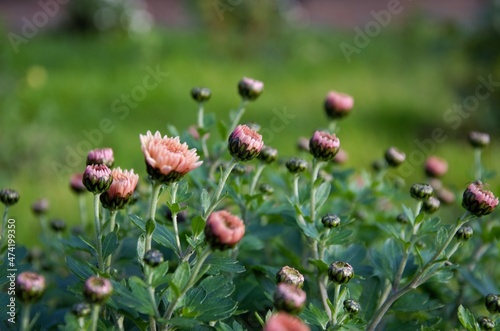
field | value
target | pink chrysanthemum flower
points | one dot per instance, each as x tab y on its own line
244	143
477	200
120	192
101	156
285	322
97	178
323	145
338	105
29	286
224	230
167	159
436	167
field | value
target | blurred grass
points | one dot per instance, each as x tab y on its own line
60	85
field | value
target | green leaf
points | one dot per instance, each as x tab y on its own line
339	238
79	244
309	230
197	225
315	316
223	130
321	265
162	235
173	130
134	296
158	274
110	243
370	296
150	226
205	200
141	247
409	214
321	194
220	263
467	319
386	262
80	269
416	302
179	280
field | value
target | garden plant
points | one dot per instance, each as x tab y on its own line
218	232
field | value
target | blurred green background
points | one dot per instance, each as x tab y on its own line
58	83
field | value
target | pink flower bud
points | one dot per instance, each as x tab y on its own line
224	230
40	206
324	146
101	156
436	167
285	322
250	89
338	105
97	178
29	286
479	201
289	298
97	289
76	183
244	143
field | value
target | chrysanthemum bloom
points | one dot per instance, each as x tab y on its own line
394	156
289	298
464	233
477	200
9	197
330	221
121	190
285	322
167	160
436	167
340	272
97	289
40	206
290	275
479	139
201	94
268	154
76	183
338	105
244	143
421	192
485	323
101	156
250	89
351	306
323	145
296	165
224	230
492	303
29	286
97	178
431	205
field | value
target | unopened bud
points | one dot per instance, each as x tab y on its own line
338	105
431	205
479	201
485	323
201	94
81	309
101	156
29	286
421	192
97	290
9	197
153	258
394	157
324	146
268	154
97	178
296	165
436	167
289	298
266	189
330	221
340	272
464	233
58	225
40	207
290	275
244	143
479	139
223	230
250	89
351	306
402	218
492	303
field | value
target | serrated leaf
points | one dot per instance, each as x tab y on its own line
409	214
321	194
197	225
109	244
413	302
134	296
467	319
309	230
339	238
179	280
80	269
320	265
315	316
219	263
79	244
386	262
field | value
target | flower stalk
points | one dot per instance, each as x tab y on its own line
98	233
155	196
25	317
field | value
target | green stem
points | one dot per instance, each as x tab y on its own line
316	166
155	196
239	113
256	177
201	125
174	219
477	161
98	234
332	127
112	224
83	210
222	182
335	304
318	254
81	324
4	223
25	317
296	188
95	316
190	283
151	291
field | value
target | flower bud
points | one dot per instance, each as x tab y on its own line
121	189
76	183
289	298
394	157
445	196
244	143
285	322
58	225
101	156
464	233
485	323
268	154
40	207
223	230
338	105
477	200
266	189
9	197
296	165
421	192
431	205
324	146
402	218
492	303
341	157
97	178
250	89
239	170
153	258
479	139
436	167
379	165
351	306
330	221
29	286
201	94
303	144
290	275
340	272
81	309
97	290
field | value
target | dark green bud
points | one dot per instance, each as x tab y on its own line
394	157
351	306
290	276
464	233
268	154
330	221
296	165
421	192
431	205
81	309
340	272
266	189
201	94
153	258
9	197
492	303
485	323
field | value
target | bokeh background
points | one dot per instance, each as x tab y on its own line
76	75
